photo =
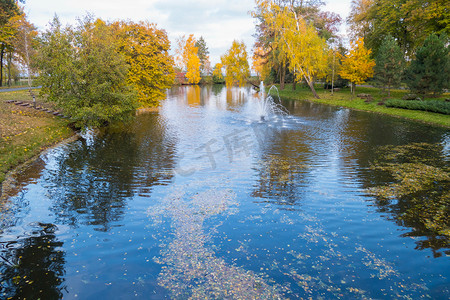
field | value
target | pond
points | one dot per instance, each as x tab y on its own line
206	199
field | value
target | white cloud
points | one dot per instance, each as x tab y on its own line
218	21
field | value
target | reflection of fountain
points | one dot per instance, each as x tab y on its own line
267	105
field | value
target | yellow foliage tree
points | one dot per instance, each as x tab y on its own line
357	65
236	65
217	73
7	33
297	40
146	51
187	57
259	64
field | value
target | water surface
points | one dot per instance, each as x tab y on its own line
205	200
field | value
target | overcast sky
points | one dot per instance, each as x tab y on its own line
218	21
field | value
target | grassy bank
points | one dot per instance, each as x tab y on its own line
343	98
25	132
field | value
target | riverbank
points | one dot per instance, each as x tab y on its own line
343	98
26	132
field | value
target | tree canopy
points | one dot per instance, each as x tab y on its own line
188	58
390	64
82	72
357	65
150	66
203	55
410	22
296	41
429	72
8	9
235	62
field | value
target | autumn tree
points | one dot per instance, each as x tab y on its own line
23	45
359	20
326	24
236	65
146	51
203	55
408	21
8	33
187	57
83	74
389	66
357	65
217	74
429	72
304	49
9	11
259	62
334	64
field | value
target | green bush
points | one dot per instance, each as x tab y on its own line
437	106
82	73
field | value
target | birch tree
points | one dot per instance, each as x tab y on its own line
304	49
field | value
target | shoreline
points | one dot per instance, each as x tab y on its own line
8	180
10	183
343	99
146	110
377	112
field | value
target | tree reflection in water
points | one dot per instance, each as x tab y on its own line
417	192
32	267
91	183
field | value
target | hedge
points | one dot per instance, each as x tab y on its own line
437	106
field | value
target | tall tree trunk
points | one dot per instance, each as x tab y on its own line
9	67
353	89
332	74
2	52
311	86
294	84
282	76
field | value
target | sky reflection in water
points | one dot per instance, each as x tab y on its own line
205	200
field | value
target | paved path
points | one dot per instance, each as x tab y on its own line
19	89
31	105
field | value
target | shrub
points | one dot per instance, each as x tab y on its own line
437	106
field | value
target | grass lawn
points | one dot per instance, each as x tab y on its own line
343	98
25	132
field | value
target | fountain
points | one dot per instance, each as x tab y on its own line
267	106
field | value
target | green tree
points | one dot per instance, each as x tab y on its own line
236	65
429	72
390	64
8	9
408	21
203	55
83	74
